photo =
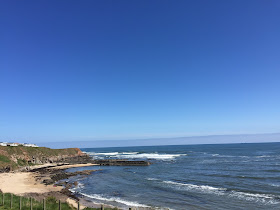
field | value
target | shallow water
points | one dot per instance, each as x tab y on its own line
224	176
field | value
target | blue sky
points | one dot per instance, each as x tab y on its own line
94	70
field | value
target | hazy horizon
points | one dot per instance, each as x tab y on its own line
190	140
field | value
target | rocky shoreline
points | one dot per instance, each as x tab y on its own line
51	178
121	162
53	175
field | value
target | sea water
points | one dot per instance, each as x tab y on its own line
221	176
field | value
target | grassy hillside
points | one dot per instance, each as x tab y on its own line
14	157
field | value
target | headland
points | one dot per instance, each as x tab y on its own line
40	172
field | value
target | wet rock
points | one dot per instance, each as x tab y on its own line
121	162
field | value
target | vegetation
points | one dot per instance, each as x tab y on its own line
13	157
51	203
22	162
4	159
25	202
21	150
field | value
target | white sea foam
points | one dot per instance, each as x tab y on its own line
111	153
80	186
152	179
136	155
106	153
201	188
77	187
275	185
150	156
224	156
215	155
114	199
264	156
264	198
129	153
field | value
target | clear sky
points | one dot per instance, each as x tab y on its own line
94	70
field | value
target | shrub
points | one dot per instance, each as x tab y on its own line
4	159
51	199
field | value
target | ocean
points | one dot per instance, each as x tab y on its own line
220	176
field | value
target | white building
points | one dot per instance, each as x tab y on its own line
4	144
13	144
29	145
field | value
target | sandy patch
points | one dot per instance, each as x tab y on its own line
74	166
23	182
74	203
20	183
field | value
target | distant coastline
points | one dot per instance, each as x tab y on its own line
190	140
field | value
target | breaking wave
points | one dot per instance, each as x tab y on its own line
201	188
275	185
114	199
152	179
136	155
264	198
79	186
257	197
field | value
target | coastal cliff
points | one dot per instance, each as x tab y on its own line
14	157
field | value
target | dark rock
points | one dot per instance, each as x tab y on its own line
121	162
5	169
48	181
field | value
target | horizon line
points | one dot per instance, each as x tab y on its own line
178	137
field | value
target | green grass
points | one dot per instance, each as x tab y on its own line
36	205
22	162
51	203
23	154
4	159
44	151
